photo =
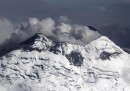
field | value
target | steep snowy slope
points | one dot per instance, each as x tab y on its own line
40	64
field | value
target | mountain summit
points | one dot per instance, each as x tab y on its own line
40	64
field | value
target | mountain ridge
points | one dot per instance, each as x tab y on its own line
54	66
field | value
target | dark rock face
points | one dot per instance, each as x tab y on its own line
106	55
57	48
75	58
94	29
36	37
30	49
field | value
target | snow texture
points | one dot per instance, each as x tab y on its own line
40	64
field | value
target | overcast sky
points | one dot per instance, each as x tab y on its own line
87	12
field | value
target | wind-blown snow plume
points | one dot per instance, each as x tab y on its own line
60	30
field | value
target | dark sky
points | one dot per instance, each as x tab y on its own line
87	12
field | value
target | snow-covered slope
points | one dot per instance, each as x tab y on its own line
40	64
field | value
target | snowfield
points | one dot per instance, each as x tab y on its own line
40	64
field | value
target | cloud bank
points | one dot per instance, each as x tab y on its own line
58	30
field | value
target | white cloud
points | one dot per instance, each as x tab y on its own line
62	31
45	26
6	29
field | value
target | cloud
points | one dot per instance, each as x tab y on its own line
45	26
64	19
62	31
6	29
58	30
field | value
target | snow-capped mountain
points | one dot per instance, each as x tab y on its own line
40	64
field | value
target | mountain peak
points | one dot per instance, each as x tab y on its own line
54	66
36	37
40	37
